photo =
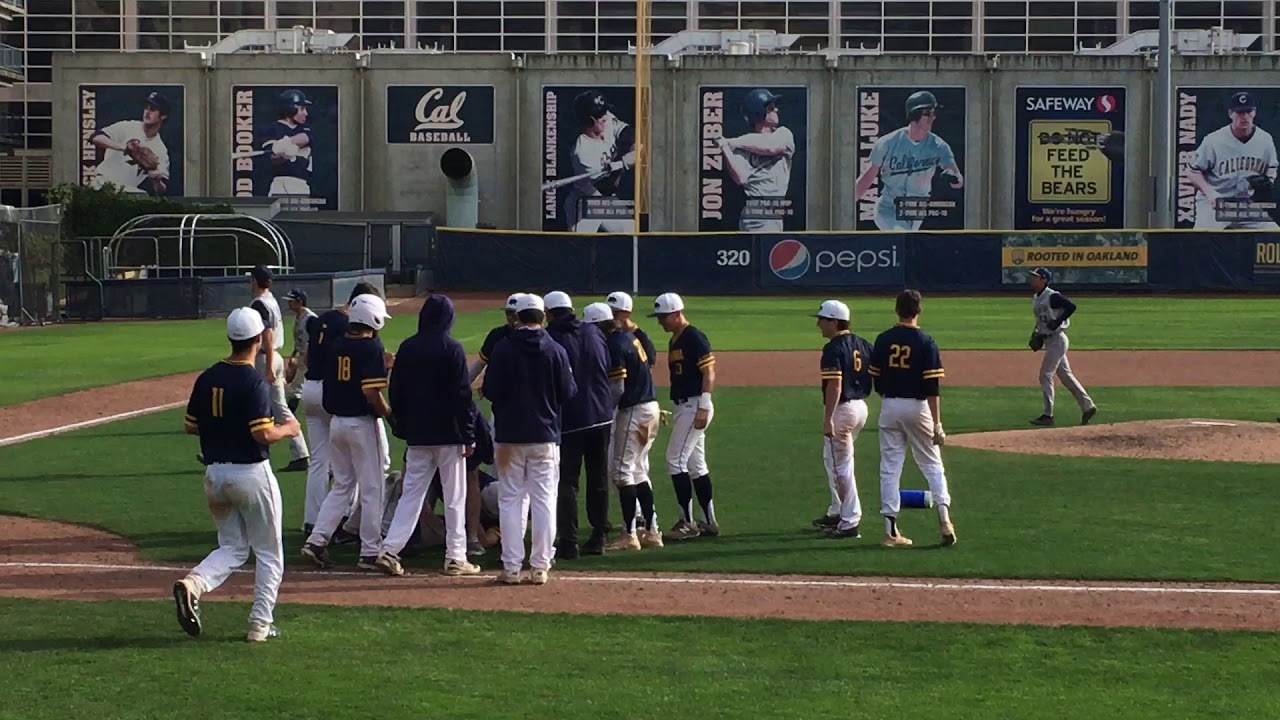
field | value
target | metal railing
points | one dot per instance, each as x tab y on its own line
13	61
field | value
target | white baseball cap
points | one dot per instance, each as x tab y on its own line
368	310
620	301
557	299
512	299
244	323
667	303
529	302
597	312
833	310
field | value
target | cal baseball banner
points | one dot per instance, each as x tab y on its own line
1063	177
132	136
1077	258
284	143
1226	157
832	261
910	158
440	114
752	164
588	158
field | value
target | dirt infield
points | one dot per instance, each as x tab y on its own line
41	559
1182	439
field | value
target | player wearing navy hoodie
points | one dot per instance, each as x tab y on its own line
431	405
528	381
588	420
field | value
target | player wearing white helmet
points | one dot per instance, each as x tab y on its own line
496	335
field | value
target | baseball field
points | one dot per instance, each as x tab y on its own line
1120	570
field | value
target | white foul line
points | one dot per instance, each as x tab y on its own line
771	582
15	439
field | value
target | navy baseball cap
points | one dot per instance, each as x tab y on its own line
1243	101
297	294
261	274
1043	273
159	102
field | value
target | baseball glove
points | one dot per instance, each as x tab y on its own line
1262	190
1036	343
142	156
1112	146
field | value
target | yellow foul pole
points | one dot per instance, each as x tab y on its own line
643	44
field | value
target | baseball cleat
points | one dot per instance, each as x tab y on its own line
389	563
317	554
188	604
539	576
710	529
625	541
1088	415
368	562
948	532
1043	421
299	465
342	537
260	632
594	545
308	528
838	532
475	549
683	531
456	568
568	551
508	577
651	538
826	521
896	541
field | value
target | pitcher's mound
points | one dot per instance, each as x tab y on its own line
1183	439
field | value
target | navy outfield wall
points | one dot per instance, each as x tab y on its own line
808	263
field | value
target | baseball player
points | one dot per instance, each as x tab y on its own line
495	336
1225	161
846	383
1053	312
904	162
585	430
907	367
230	409
693	377
528	381
290	142
295	370
434	530
354	378
430	396
133	150
760	161
605	147
270	363
621	305
635	428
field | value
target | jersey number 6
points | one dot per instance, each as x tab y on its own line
899	355
344	368
644	357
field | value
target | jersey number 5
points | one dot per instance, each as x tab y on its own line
899	355
219	399
344	368
644	357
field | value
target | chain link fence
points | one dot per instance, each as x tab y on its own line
30	257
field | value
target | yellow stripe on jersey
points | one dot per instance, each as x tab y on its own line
707	361
832	375
261	424
191	424
933	374
873	371
379	383
618	374
189	418
483	358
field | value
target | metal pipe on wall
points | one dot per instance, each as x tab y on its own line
1162	119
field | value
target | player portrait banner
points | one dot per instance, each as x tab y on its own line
1224	147
133	137
440	114
1076	258
752	163
588	158
284	143
1062	177
910	158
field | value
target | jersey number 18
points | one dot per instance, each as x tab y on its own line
344	368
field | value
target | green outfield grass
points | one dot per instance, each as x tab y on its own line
50	361
129	660
1017	515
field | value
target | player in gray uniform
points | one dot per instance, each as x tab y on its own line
605	145
269	357
1226	159
296	366
1053	312
760	161
904	161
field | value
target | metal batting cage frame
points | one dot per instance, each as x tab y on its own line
197	245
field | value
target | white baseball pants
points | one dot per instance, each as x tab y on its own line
284	185
849	418
354	455
279	405
529	481
245	503
687	451
903	422
635	429
354	514
418	471
1055	364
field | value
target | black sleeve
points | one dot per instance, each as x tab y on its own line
651	352
261	307
195	409
1060	301
490	342
372	367
932	369
260	406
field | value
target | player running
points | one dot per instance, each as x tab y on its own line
1226	159
760	161
846	382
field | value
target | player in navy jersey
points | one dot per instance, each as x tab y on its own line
846	383
355	376
495	336
621	304
907	368
322	332
230	409
693	377
635	428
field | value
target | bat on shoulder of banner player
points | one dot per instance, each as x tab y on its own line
284	147
626	163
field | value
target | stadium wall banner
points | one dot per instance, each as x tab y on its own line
1075	258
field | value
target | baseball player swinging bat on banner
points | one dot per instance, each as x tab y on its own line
760	161
1229	163
290	144
133	150
905	160
604	149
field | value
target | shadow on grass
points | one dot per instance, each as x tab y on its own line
112	643
94	476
